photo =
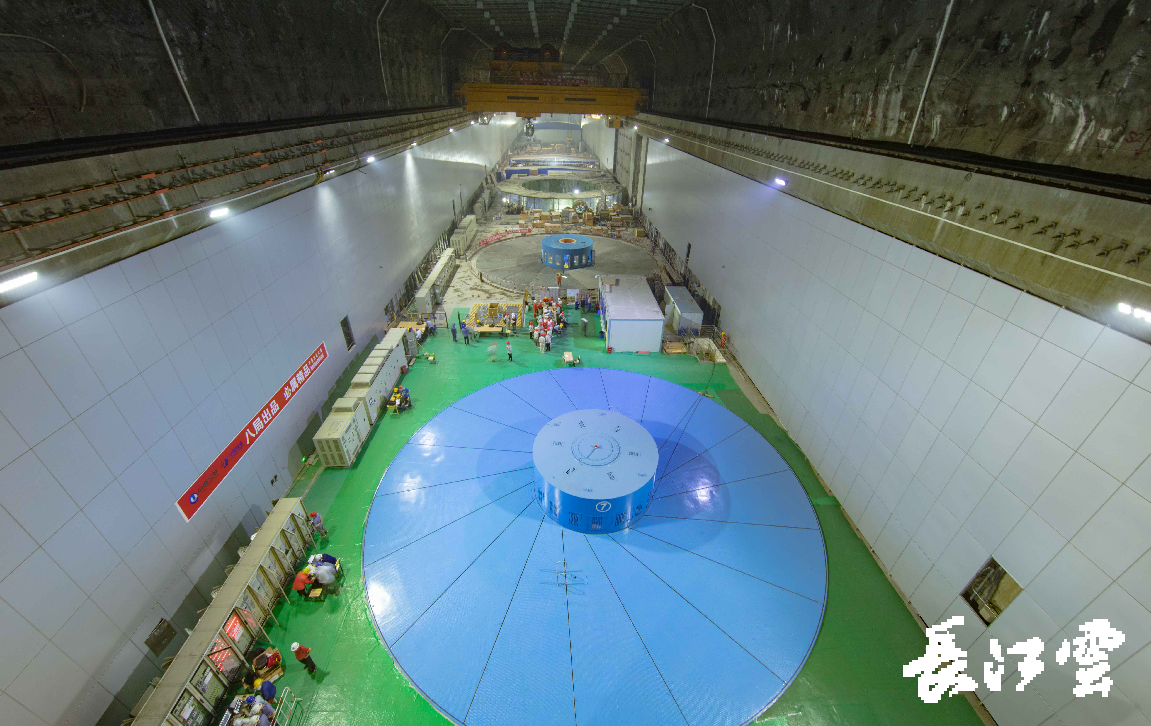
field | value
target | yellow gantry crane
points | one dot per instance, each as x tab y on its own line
532	101
531	82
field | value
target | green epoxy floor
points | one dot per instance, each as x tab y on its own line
854	673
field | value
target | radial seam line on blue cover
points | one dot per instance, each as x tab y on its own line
501	384
568	610
603	384
721	484
727	521
693	607
485	418
725	438
505	618
453	481
437	529
462	573
646	393
683	421
735	569
569	398
469	448
686	420
637	633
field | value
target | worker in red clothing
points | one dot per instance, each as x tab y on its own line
303	578
304	655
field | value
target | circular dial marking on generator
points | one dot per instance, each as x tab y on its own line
595	449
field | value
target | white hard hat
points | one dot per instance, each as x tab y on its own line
295	646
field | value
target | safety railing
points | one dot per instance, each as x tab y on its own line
286	708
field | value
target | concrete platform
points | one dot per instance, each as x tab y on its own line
517	261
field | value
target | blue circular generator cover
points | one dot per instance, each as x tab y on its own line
701	612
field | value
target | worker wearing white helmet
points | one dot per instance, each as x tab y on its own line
304	654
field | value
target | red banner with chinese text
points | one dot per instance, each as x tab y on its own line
203	487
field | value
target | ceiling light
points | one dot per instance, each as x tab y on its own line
636	128
370	159
218	212
450	129
577	191
780	182
413	143
1125	308
17	282
1141	313
667	141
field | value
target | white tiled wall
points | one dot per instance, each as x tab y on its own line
954	417
600	140
119	388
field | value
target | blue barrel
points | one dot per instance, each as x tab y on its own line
594	470
567	251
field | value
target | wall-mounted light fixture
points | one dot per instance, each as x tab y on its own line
16	282
218	212
780	182
370	159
